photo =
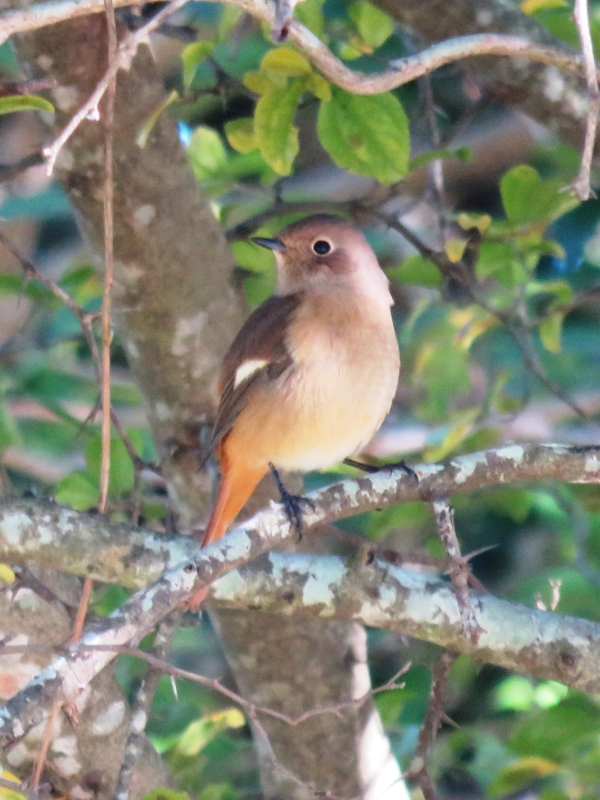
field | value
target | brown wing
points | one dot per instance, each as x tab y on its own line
261	338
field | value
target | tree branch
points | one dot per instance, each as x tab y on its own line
565	649
403	70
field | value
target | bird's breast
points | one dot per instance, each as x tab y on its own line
337	392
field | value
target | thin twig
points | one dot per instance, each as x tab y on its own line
109	119
459	572
40	762
581	186
430	725
122	60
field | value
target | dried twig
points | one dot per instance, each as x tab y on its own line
122	60
581	186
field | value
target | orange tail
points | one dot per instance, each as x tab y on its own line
238	481
237	484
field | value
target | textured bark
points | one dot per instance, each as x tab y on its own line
554	98
176	313
80	754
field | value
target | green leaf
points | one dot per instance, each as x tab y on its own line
264	82
318	85
285	61
310	14
276	135
192	55
528	198
207	153
366	134
166	794
199	733
121	469
462	153
551	332
24	102
77	490
240	134
416	271
558	731
253	258
497	260
373	25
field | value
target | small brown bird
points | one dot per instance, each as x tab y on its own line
311	375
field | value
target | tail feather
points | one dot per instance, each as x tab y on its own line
238	481
237	484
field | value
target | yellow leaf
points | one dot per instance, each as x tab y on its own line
480	221
551	331
9	794
285	61
531	6
455	435
6	575
263	82
455	249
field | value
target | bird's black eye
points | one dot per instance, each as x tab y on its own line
321	247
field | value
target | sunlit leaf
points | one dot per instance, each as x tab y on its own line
207	153
276	134
240	134
7	576
10	794
366	134
480	221
166	794
454	249
551	331
532	6
24	102
285	61
264	82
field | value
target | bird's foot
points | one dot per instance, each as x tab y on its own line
372	468
292	503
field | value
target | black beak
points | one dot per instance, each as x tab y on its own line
270	244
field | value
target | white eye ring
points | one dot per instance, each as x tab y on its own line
322	246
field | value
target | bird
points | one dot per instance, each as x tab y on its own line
312	373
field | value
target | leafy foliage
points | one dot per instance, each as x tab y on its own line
251	113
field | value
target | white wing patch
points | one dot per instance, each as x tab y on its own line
248	368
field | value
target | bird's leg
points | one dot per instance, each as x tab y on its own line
371	468
292	503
